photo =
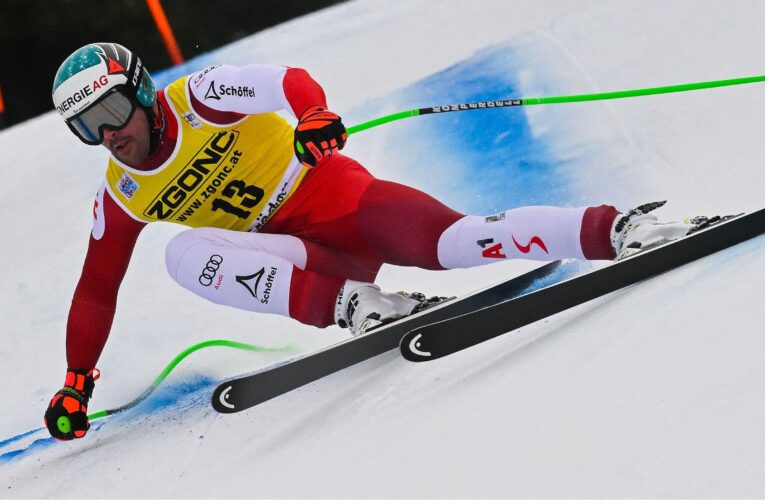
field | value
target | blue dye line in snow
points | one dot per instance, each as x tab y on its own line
491	158
36	445
190	393
171	395
18	437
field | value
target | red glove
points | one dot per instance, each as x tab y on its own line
67	415
318	134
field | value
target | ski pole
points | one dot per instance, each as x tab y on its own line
503	103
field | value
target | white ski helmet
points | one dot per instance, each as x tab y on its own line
100	85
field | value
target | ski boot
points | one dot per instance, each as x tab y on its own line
638	230
363	306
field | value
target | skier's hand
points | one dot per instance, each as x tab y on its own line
319	133
67	415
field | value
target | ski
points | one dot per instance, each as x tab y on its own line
246	391
438	339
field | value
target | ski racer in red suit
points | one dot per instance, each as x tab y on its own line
280	221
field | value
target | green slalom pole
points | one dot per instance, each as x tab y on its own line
180	357
503	103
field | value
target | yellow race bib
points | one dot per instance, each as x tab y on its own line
227	176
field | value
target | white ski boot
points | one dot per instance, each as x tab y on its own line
363	306
638	230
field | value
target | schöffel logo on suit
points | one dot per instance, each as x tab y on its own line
216	91
252	283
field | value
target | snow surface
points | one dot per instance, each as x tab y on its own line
656	390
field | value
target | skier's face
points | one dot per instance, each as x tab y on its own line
130	144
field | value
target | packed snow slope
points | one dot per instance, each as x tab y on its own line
656	390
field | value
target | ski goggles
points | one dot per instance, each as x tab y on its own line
113	110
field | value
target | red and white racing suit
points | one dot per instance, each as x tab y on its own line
269	235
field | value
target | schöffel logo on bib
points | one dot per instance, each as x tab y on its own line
181	190
127	185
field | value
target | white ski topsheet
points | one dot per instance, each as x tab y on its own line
656	390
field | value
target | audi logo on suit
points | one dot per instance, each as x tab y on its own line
211	268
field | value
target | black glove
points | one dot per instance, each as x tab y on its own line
67	415
318	134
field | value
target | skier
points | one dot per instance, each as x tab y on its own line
281	222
